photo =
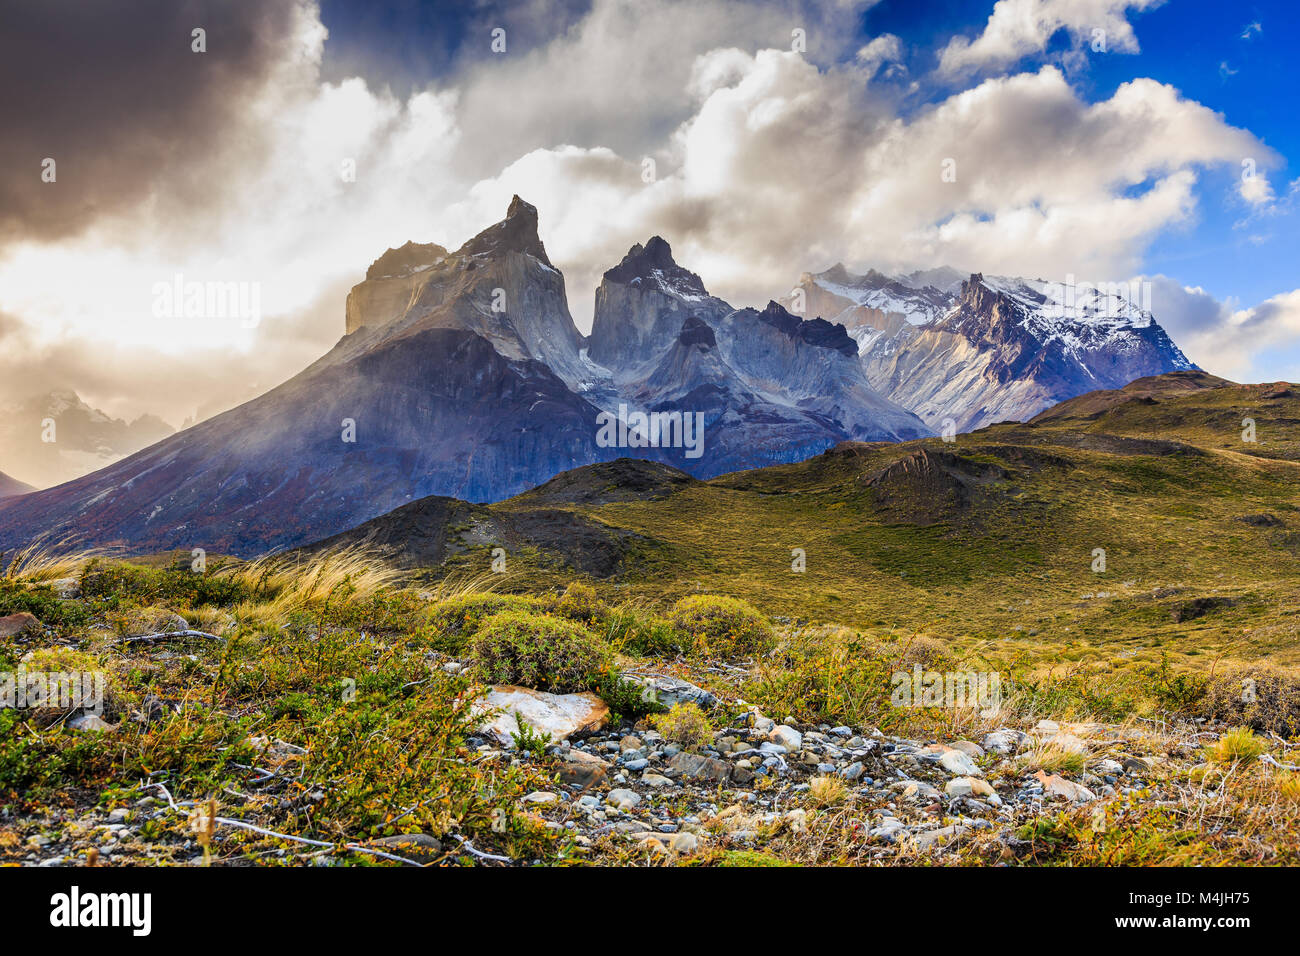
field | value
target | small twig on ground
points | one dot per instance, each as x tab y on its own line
469	847
354	847
265	774
1273	761
170	636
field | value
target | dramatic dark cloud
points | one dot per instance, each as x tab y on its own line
114	94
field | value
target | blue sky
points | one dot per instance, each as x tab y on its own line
1237	59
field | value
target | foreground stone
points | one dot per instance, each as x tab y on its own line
959	764
669	842
1063	789
969	786
622	798
668	691
1066	742
582	770
1004	741
695	768
89	722
558	715
929	839
787	737
11	625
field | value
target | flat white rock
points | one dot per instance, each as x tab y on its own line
556	714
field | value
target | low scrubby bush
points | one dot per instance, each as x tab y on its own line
721	626
1258	696
635	631
846	679
179	585
579	602
1174	691
685	725
535	650
40	600
453	623
627	699
843	684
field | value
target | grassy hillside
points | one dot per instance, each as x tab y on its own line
988	542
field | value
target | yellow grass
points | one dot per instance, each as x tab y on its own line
284	585
45	561
827	791
1236	746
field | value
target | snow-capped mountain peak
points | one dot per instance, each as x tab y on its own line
977	349
910	296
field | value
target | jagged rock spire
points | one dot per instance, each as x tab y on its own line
655	260
515	233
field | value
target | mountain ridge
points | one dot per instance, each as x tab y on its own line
56	436
963	353
980	488
462	374
458	374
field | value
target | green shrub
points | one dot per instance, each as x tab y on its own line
40	600
580	603
1083	693
627	699
1174	691
540	651
721	626
28	762
528	740
386	611
60	660
847	683
685	725
452	623
177	584
635	632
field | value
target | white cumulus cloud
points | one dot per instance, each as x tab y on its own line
1020	28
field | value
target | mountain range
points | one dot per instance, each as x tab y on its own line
53	437
10	486
966	352
461	374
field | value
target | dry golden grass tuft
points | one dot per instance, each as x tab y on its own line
47	561
278	586
1053	758
295	582
1238	745
1287	786
827	791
